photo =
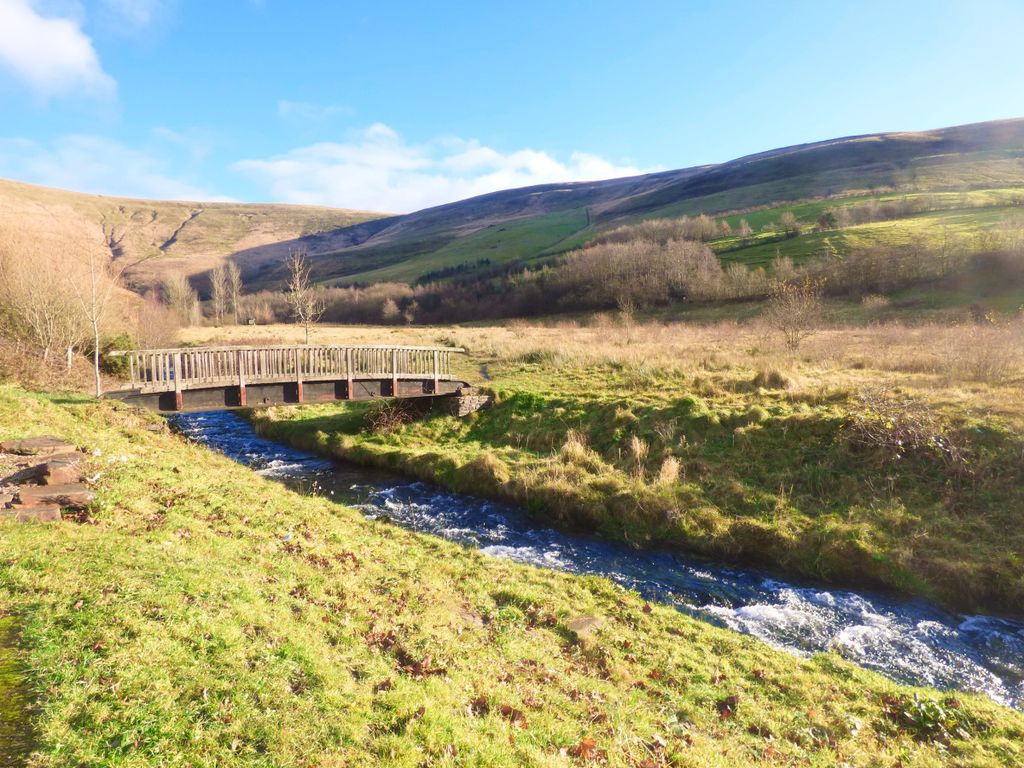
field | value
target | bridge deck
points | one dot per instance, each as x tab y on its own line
192	378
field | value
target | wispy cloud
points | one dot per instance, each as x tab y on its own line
98	165
51	54
378	170
143	20
306	112
137	13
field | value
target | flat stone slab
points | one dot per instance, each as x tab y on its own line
44	445
60	474
73	495
44	514
58	469
62	469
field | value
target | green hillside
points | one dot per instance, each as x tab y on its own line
977	170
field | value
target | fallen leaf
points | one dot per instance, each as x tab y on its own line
479	706
514	716
727	706
584	749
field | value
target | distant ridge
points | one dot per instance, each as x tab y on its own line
515	227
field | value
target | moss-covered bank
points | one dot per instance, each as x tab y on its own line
757	476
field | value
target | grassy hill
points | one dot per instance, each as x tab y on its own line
984	161
966	179
189	237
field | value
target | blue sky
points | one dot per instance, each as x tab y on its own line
396	106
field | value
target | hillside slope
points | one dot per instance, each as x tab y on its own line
516	226
190	237
511	228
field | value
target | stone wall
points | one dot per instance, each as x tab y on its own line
464	403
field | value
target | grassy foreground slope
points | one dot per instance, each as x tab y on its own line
206	616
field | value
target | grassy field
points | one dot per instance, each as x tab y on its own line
498	244
715	439
206	616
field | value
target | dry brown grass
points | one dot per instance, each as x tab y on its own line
961	366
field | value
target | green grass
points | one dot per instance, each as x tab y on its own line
207	616
809	211
960	217
1000	169
934	228
765	476
498	243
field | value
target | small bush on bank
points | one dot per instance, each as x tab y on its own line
900	426
385	417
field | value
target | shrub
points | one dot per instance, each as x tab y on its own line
795	309
900	425
772	378
385	417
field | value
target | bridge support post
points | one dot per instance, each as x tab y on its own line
348	375
179	400
394	373
298	374
240	363
437	376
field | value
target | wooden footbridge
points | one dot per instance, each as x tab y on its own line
207	378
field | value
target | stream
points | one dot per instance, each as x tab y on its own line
908	640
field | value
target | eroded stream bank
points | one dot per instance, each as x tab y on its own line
907	640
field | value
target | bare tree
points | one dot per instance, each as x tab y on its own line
37	306
218	293
234	278
789	224
745	230
389	311
181	297
795	309
409	315
94	291
305	301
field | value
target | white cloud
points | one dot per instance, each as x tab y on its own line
51	54
377	170
95	164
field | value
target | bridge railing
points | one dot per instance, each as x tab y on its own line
167	370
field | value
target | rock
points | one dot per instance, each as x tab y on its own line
60	474
583	626
62	470
73	495
45	514
6	496
44	445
